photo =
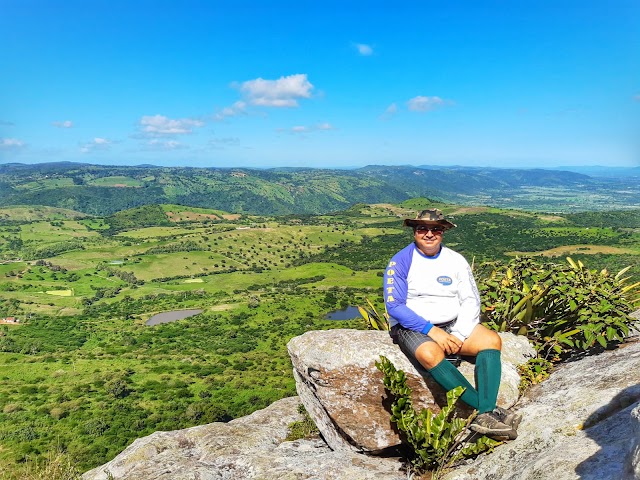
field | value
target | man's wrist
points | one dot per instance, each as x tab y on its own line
459	336
427	328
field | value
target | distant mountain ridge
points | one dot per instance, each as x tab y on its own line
103	190
603	171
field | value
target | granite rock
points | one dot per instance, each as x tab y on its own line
341	388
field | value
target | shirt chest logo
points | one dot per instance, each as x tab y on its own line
444	280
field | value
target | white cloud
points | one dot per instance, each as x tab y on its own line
5	123
96	144
220	143
301	129
637	97
65	124
11	144
226	140
424	104
238	108
364	49
283	92
389	112
159	125
165	145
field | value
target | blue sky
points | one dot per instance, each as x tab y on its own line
321	84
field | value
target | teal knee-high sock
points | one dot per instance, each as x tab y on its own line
449	377
487	373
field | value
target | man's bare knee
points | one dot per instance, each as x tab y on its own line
493	341
429	354
481	339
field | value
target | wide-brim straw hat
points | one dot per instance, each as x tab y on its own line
431	216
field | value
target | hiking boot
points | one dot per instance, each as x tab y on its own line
508	417
489	424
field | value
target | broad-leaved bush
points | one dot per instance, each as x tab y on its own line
563	309
437	440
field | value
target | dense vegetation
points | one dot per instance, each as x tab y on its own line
564	309
436	441
105	190
82	372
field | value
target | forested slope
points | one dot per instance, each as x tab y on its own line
103	190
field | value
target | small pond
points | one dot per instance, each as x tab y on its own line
348	313
167	317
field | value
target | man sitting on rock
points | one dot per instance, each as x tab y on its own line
434	305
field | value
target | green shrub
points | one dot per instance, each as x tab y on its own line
58	413
373	319
56	466
533	372
437	441
562	309
304	428
118	387
11	407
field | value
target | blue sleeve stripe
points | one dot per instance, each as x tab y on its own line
395	292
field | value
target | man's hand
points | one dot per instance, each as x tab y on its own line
449	343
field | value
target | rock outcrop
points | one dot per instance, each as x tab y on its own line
582	423
251	447
341	388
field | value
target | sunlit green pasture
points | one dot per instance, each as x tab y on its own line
336	275
115	180
11	267
172	207
95	223
44	183
274	247
46	232
171	264
60	293
35	213
390	222
41	302
90	257
34	286
371	232
158	232
179	213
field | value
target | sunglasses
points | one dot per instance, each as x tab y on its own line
424	229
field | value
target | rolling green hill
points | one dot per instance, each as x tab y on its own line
104	190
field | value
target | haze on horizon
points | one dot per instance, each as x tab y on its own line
330	84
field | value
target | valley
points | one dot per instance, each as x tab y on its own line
82	373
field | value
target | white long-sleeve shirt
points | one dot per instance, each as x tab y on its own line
422	291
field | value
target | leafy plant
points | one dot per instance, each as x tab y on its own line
437	440
373	319
562	309
303	428
56	466
535	371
